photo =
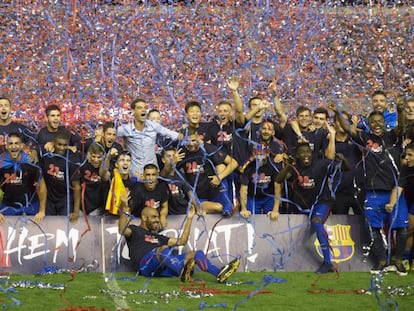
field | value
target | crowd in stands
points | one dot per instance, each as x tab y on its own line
93	59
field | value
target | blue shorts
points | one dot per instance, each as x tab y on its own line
260	206
31	209
321	210
223	198
163	264
377	215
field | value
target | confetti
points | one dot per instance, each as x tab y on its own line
93	58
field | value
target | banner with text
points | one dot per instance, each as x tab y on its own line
94	243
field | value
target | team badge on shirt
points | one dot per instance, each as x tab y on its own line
151	239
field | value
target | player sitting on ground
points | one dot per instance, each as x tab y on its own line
152	253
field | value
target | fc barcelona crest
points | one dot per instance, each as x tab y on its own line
340	243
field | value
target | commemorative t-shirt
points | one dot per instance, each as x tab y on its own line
199	165
15	127
44	136
147	198
226	137
310	184
142	241
344	181
177	196
96	190
57	176
382	159
317	140
259	180
19	184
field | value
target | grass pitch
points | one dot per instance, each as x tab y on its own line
287	291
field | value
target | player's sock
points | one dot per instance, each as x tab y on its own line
322	236
205	264
378	248
401	240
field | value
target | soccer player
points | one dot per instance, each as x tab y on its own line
311	191
62	178
7	125
152	193
350	190
199	168
407	180
21	181
317	138
178	199
222	131
259	192
106	137
193	114
154	115
152	253
161	141
383	191
94	188
379	104
47	134
267	138
256	114
128	182
320	117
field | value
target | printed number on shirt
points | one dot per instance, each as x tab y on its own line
193	167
